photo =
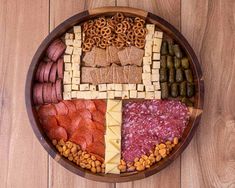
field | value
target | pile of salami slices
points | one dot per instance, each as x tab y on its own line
49	75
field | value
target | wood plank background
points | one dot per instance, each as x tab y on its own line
209	26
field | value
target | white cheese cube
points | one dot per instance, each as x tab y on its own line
87	94
67	66
66	95
146	68
94	94
156	86
69	42
149	88
102	87
141	95
156	65
118	93
84	87
156	56
68	36
76	74
78	36
156	48
157	42
93	87
77	29
76	58
75	87
155	71
78	45
69	50
132	86
147	60
75	80
80	94
118	87
149	37
110	94
77	51
133	94
102	95
158	34
146	76
125	87
110	87
148	46
148	52
140	87
147	82
149	95
76	66
157	94
74	94
150	28
67	87
67	58
67	77
155	76
125	94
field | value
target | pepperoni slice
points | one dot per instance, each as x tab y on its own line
49	123
52	76
96	148
80	104
70	105
60	68
47	71
90	105
100	105
98	136
61	108
98	116
99	126
63	121
46	110
58	134
80	140
88	123
84	113
58	86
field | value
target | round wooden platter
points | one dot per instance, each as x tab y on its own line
168	29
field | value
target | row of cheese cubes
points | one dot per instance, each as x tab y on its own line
112	95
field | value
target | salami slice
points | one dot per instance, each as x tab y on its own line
84	113
58	86
47	71
47	89
37	75
52	76
55	50
41	76
96	148
58	134
53	94
37	93
46	110
80	104
70	105
61	108
60	68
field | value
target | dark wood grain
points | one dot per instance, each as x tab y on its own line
190	130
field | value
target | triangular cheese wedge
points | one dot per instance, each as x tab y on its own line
116	143
111	104
116	159
116	129
117	108
111	168
110	120
111	156
109	146
117	116
111	135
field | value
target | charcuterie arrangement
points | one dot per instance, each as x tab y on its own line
113	94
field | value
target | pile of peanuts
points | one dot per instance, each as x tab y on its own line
144	162
119	31
74	153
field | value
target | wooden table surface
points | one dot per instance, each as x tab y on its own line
209	26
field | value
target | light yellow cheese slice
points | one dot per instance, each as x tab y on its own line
110	147
116	159
114	105
111	156
111	168
116	143
117	116
112	135
110	120
116	129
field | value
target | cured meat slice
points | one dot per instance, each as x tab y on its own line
88	123
55	50
82	132
58	134
99	126
63	121
60	68
46	110
49	123
100	105
37	93
80	140
84	113
98	116
47	89
58	86
42	70
53	94
37	75
96	148
47	71
70	105
52	76
61	108
80	104
90	105
98	136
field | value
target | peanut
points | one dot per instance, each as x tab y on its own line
54	142
140	167
162	151
176	140
162	146
93	169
